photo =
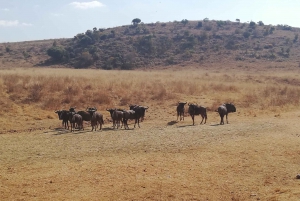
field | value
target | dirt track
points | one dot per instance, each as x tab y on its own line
252	158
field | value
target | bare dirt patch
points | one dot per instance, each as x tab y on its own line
252	158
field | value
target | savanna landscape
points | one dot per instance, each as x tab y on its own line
253	157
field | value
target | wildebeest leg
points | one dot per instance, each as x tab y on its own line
227	118
178	116
222	119
92	125
202	118
127	124
137	120
139	123
183	115
119	124
193	118
114	124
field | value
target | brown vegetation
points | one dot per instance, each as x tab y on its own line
47	90
252	158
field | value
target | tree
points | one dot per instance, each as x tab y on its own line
85	40
136	21
199	24
237	20
89	33
246	34
295	38
56	53
260	23
7	49
184	21
252	24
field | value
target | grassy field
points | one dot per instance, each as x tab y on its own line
255	157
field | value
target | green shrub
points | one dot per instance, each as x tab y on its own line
57	53
246	34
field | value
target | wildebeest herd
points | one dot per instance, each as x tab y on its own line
120	117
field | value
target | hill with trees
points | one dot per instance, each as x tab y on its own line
160	44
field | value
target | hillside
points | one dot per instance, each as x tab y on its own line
161	44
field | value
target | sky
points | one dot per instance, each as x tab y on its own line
27	20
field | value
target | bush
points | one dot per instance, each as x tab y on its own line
85	40
57	53
246	34
85	60
199	25
252	24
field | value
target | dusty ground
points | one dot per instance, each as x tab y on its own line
252	158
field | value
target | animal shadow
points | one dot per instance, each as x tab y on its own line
107	129
59	131
183	126
215	124
172	123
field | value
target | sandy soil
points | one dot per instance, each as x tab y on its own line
252	158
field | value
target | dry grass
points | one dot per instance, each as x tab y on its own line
249	159
52	89
252	158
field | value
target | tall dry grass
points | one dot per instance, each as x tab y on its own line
51	89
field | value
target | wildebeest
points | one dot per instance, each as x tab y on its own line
224	109
117	117
84	114
180	110
63	115
139	113
75	118
96	117
128	114
195	109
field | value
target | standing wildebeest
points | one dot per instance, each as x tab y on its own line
197	110
75	118
84	114
139	113
63	115
117	117
180	110
128	114
224	110
96	118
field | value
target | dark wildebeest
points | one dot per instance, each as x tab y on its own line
139	113
128	114
84	114
63	115
224	110
117	117
197	110
96	118
180	110
75	118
